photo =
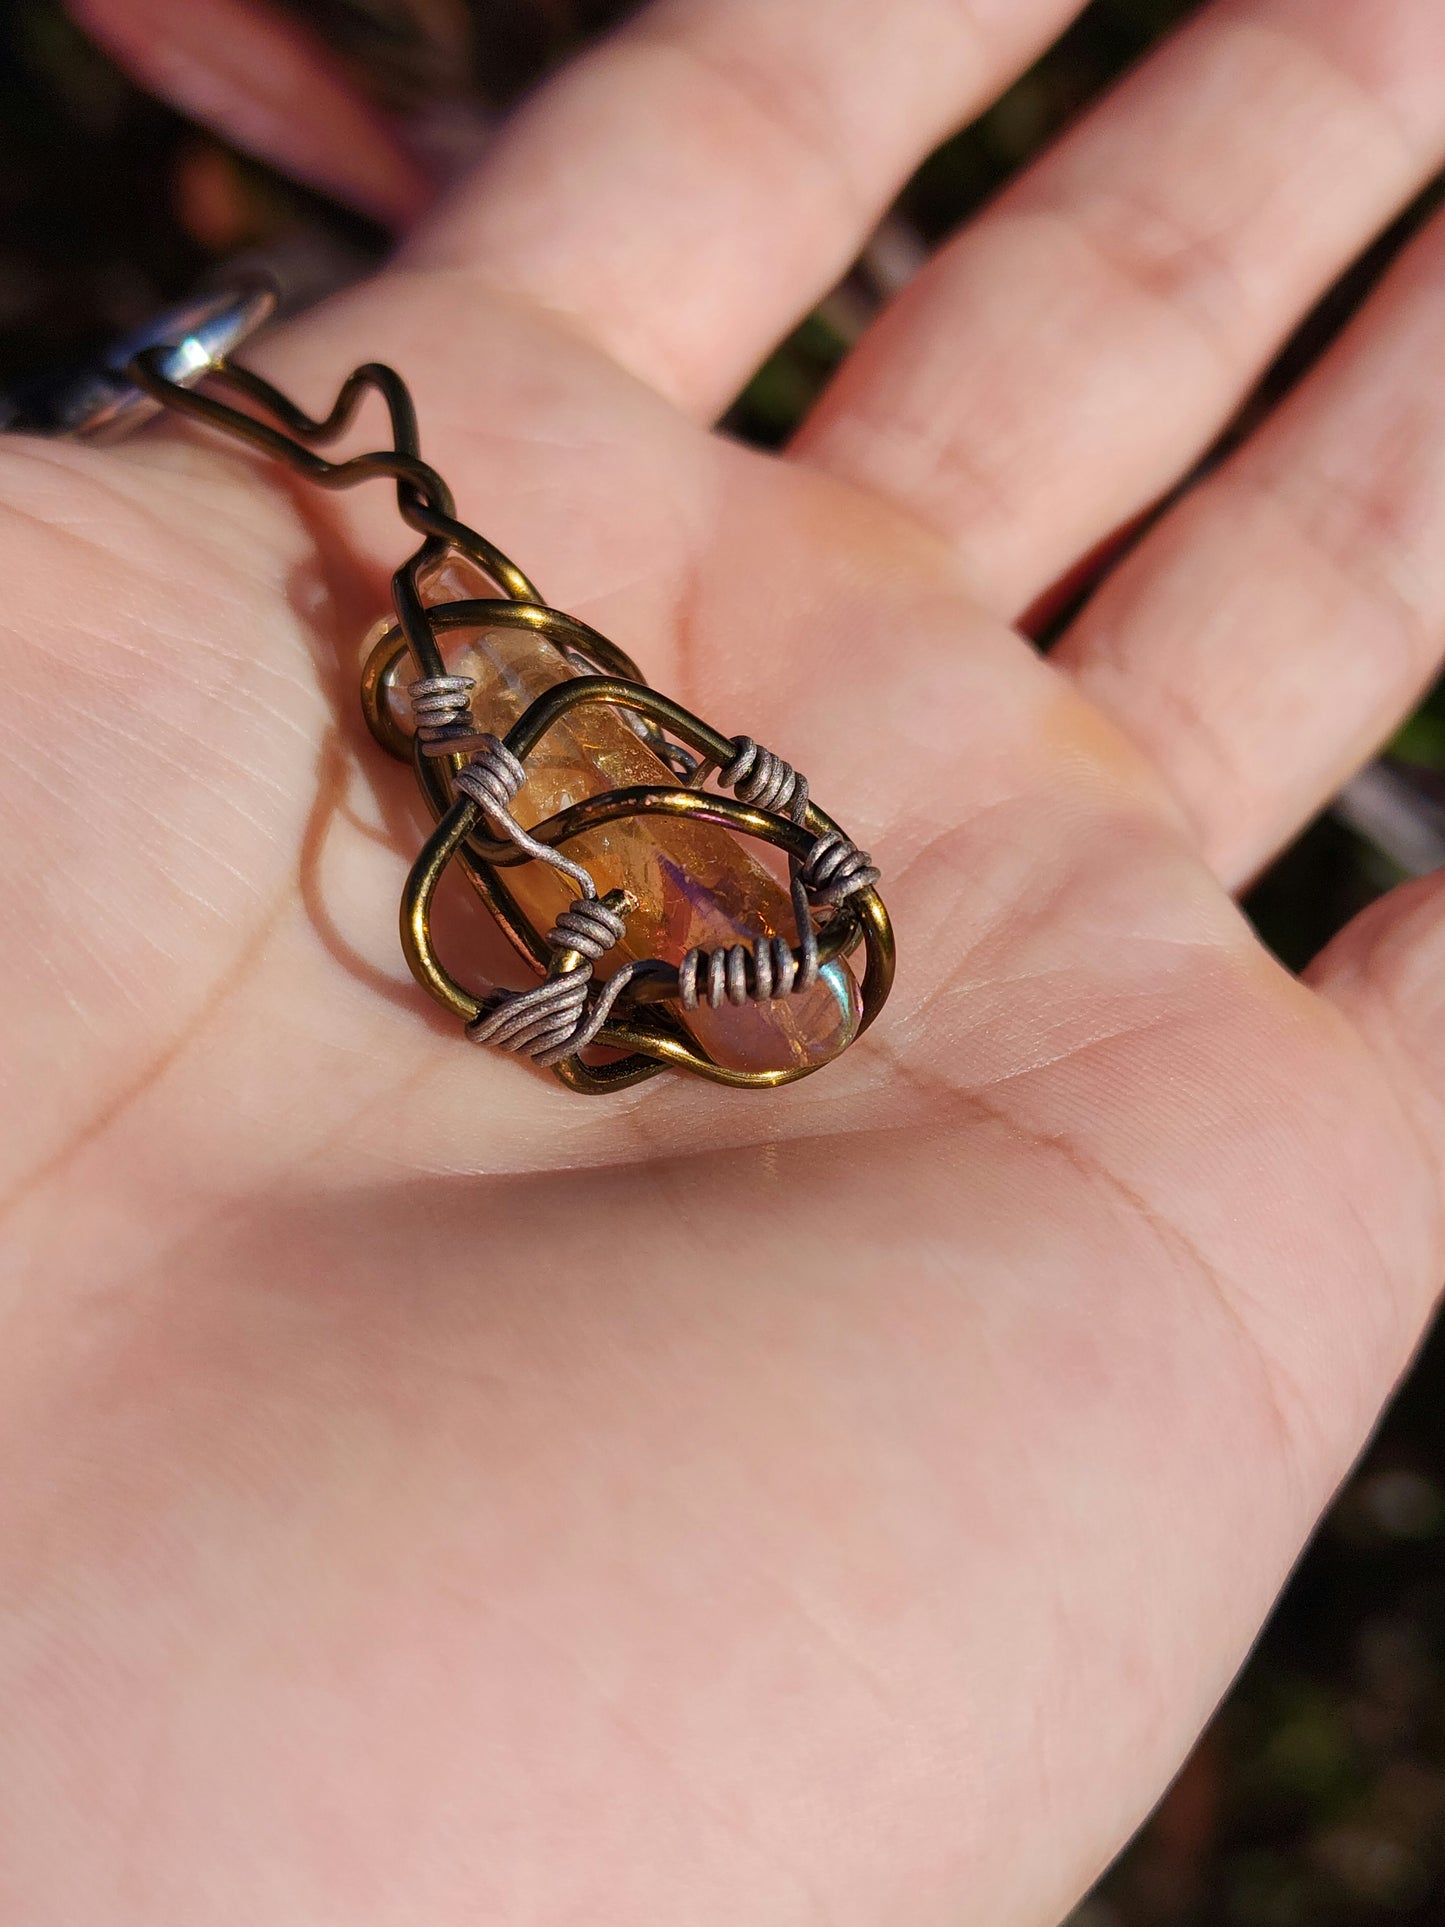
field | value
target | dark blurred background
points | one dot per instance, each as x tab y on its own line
1317	1797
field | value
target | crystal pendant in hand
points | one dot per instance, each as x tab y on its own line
693	883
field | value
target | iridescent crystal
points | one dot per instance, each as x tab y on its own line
693	883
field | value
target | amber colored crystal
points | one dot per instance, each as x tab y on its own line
693	883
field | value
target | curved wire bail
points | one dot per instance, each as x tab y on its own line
423	499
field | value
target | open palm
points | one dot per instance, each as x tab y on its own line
430	1496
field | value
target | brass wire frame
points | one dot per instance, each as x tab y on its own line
640	1026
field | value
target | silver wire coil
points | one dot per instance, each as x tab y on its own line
755	775
590	927
561	1015
836	869
441	707
492	777
744	972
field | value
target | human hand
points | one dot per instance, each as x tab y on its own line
431	1497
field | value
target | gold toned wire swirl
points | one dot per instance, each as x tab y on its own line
469	779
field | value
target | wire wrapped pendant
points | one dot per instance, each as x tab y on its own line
605	827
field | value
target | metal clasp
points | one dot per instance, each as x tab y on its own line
95	400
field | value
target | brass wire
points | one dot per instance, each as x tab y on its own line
642	1025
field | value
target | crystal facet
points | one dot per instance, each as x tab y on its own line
693	883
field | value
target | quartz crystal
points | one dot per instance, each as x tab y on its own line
693	883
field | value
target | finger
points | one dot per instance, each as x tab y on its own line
1067	357
1275	627
265	84
1386	972
687	190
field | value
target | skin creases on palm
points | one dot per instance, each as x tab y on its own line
605	1457
428	1496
